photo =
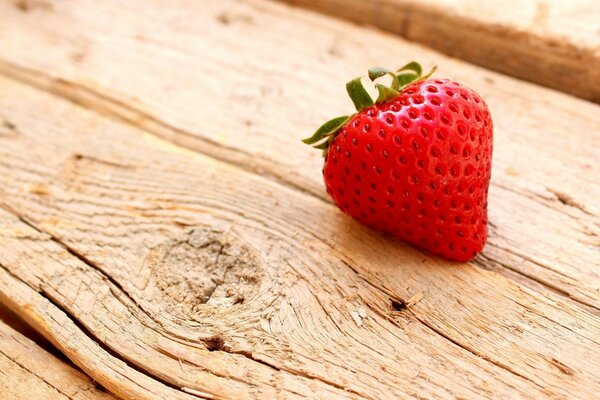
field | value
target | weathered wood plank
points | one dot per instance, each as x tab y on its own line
552	42
125	243
27	371
14	322
114	374
176	72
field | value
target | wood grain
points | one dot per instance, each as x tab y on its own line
166	273
27	371
161	271
11	320
163	72
551	42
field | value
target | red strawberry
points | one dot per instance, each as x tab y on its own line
415	164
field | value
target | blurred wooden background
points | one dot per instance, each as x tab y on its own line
550	42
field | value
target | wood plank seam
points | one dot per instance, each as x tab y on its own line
83	331
55	393
527	49
90	334
117	110
41	377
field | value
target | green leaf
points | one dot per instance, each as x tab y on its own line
385	93
360	97
412	66
406	77
328	128
378	72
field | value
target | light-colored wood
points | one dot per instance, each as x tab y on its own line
213	279
10	319
554	43
175	71
27	371
114	374
130	236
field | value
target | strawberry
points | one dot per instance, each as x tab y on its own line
415	163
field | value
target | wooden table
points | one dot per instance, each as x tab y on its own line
164	228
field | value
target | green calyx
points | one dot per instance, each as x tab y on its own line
400	79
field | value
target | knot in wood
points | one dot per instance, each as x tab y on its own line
203	269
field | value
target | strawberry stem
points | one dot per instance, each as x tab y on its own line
409	73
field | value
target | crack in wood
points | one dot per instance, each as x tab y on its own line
55	390
533	311
79	157
116	289
485	262
95	108
403	306
40	377
558	198
80	257
568	200
169	354
531	260
221	346
91	335
117	110
474	352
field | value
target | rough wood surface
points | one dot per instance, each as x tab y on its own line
10	319
205	277
27	371
551	42
161	271
164	72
